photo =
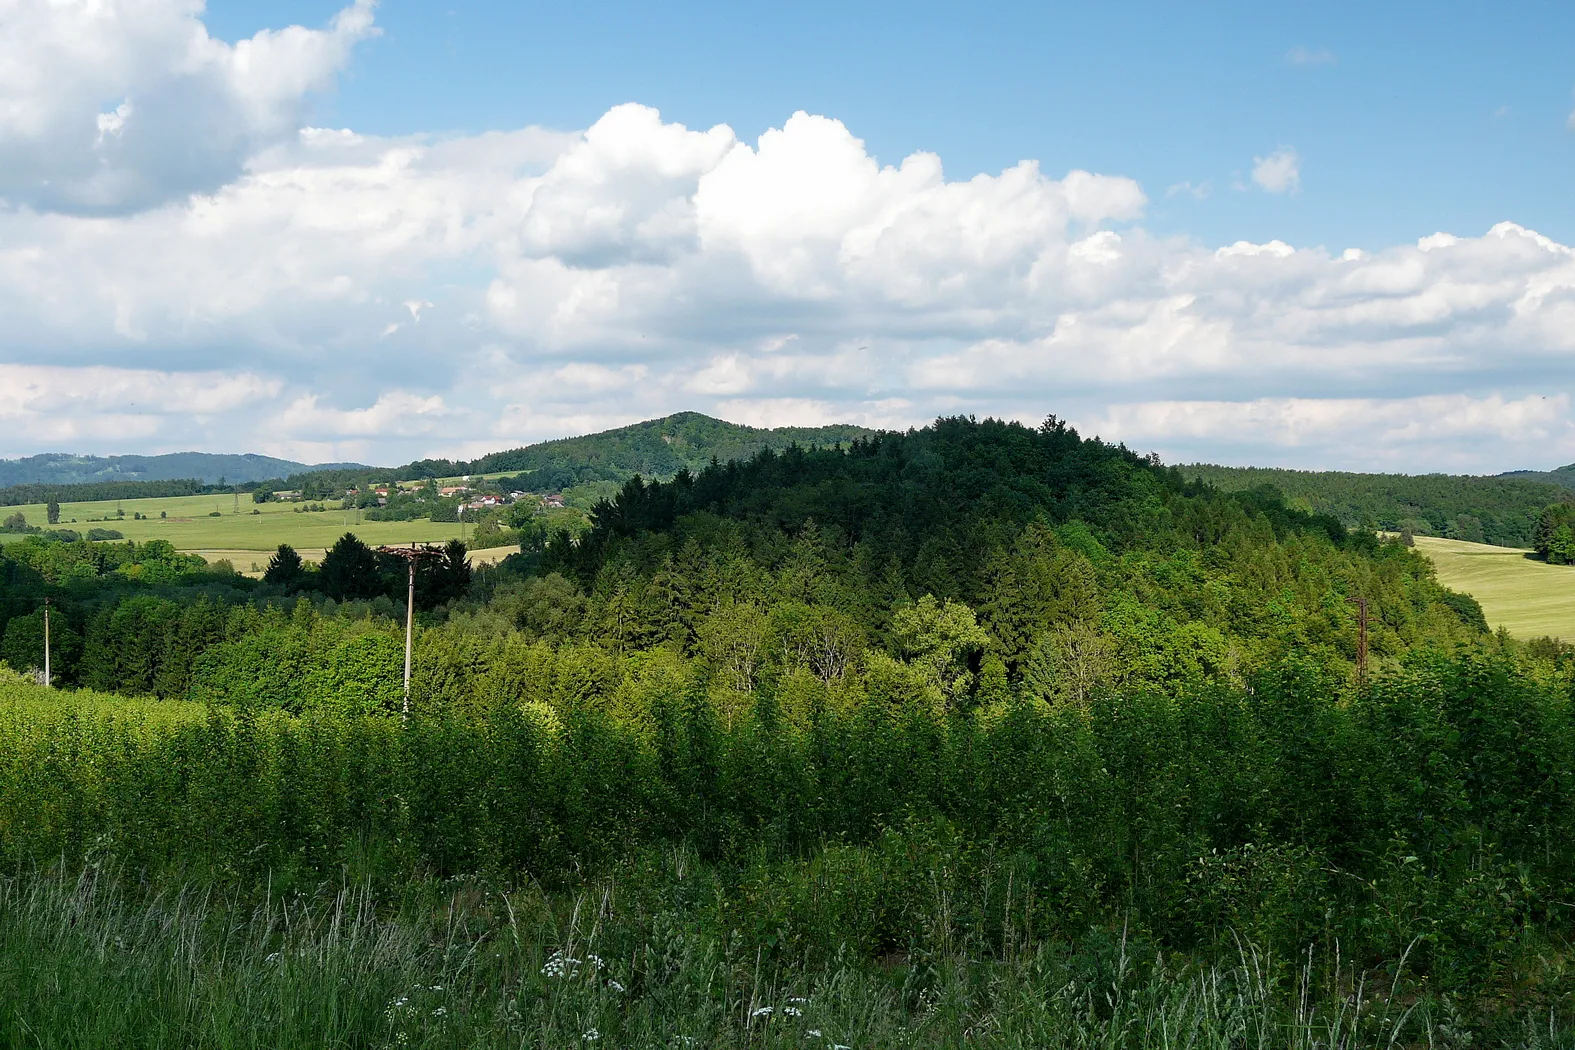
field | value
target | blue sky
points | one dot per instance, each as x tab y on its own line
1330	235
1410	117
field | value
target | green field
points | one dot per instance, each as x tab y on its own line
1528	598
190	526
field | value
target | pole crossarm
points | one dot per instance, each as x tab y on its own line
413	555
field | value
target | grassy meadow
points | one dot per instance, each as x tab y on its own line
241	537
1528	598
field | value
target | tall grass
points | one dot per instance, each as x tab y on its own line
84	963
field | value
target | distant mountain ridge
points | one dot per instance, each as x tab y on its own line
61	468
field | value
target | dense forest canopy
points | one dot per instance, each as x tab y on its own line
1031	559
1500	510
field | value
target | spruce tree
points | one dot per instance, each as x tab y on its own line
350	570
284	568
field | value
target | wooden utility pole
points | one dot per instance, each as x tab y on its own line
46	643
412	554
1361	639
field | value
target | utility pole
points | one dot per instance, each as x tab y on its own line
411	554
1361	639
46	643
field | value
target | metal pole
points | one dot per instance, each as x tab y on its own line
1361	639
46	643
410	628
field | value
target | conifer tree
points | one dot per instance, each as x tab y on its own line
284	568
350	570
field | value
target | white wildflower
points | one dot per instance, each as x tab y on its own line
792	1011
559	965
813	1033
761	1011
440	1011
591	1036
617	987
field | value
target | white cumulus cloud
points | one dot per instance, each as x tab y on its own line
325	294
113	105
1279	172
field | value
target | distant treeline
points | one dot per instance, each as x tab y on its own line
86	492
1498	510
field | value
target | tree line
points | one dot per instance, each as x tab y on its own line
1499	510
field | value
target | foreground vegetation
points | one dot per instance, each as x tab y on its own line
976	734
646	958
1220	865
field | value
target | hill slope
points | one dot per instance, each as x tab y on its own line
656	448
1528	598
1564	476
59	468
1498	510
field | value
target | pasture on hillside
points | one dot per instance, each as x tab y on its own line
1526	597
241	537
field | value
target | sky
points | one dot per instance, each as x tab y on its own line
1327	236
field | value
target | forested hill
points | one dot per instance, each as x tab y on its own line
1563	477
1501	510
1038	530
656	448
933	495
57	468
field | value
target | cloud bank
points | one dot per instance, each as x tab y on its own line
322	294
